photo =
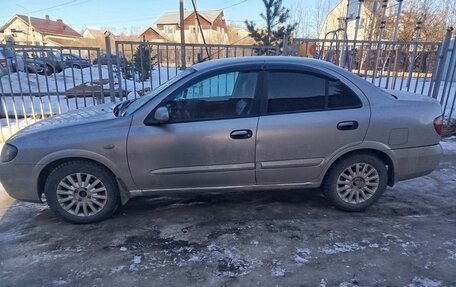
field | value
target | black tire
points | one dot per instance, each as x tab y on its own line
48	70
76	66
110	192
358	186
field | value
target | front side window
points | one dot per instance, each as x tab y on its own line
302	92
227	95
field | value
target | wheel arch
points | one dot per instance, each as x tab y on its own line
51	165
383	156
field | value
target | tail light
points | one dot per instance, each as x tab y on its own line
3	63
438	125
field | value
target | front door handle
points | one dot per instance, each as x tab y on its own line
348	125
241	134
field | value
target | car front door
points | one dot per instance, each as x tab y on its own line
209	140
305	119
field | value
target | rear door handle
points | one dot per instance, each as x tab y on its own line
241	134
347	125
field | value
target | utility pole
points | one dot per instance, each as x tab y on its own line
182	33
196	22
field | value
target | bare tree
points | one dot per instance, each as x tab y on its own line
319	13
300	14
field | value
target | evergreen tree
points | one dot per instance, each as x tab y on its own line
143	61
276	24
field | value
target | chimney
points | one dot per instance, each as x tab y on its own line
47	19
60	25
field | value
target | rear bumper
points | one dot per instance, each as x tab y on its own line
415	162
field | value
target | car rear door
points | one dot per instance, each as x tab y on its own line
307	117
209	140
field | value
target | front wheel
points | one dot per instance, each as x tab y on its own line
82	192
355	182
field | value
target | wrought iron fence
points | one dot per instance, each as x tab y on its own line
425	68
37	82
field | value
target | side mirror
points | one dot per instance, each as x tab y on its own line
161	115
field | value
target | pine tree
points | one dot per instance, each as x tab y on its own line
143	61
276	24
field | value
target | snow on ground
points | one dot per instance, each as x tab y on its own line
52	99
449	145
25	108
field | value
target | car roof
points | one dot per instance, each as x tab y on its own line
305	62
211	64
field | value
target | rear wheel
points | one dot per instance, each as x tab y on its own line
355	182
82	192
48	70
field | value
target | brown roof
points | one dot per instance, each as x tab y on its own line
173	17
155	31
50	27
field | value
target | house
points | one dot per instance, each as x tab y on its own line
369	20
93	34
21	29
151	34
212	23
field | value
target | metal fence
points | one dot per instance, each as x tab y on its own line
37	82
425	68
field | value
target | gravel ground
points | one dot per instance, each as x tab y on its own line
272	238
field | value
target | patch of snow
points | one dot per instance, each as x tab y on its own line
123	248
230	263
342	248
278	272
302	255
449	145
348	284
254	242
117	269
60	282
137	259
323	283
135	262
424	282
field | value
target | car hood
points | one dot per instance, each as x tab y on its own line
83	116
407	96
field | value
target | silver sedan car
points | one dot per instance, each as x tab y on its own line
231	124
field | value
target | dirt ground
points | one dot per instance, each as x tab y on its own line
272	238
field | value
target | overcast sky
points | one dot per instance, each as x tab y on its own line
128	13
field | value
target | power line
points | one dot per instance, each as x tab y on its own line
54	7
201	29
235	4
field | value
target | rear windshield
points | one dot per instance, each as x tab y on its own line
7	53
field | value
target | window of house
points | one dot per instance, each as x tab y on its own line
301	92
227	95
170	29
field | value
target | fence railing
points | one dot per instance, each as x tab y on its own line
37	81
425	68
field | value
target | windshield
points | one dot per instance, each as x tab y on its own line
139	102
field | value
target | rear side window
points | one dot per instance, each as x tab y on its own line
289	92
341	96
301	92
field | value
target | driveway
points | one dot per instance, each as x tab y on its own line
271	238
